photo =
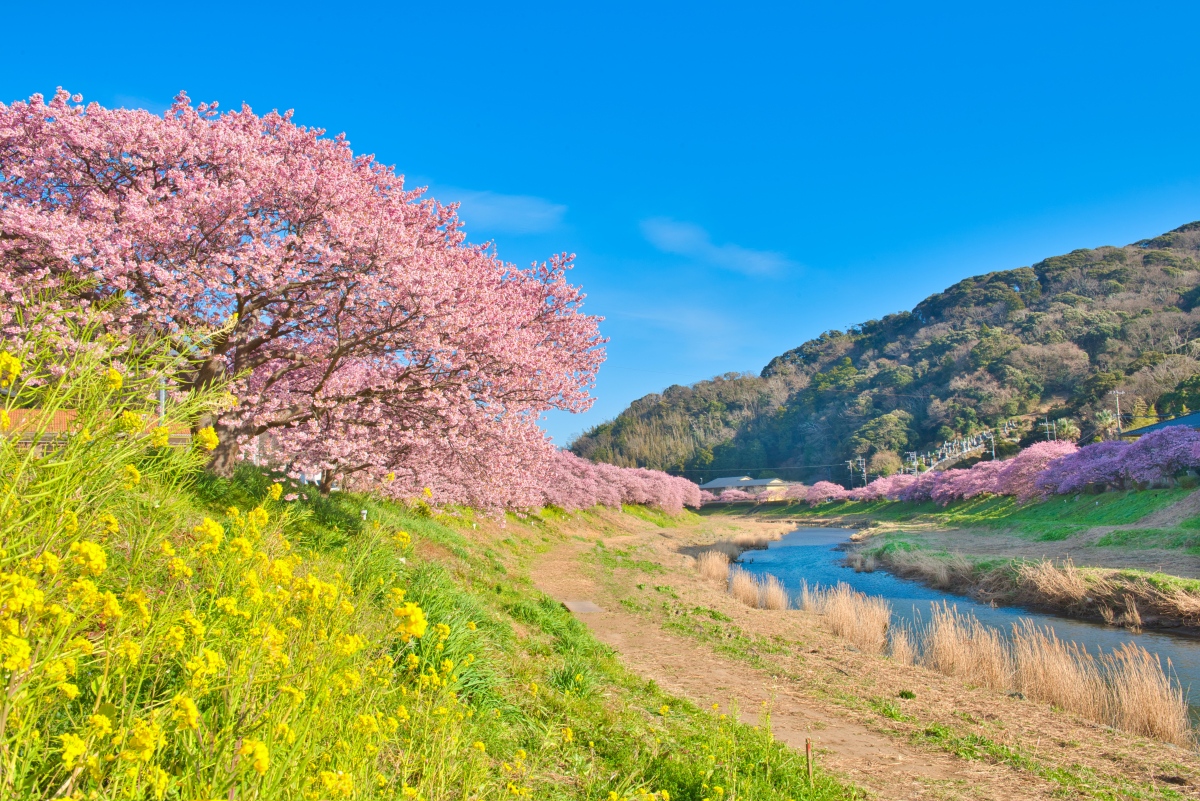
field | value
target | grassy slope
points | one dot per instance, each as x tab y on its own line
544	687
1053	519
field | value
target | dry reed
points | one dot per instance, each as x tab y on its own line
1056	672
1143	698
861	619
807	601
771	594
959	645
901	645
743	586
713	565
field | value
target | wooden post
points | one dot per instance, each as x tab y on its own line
808	760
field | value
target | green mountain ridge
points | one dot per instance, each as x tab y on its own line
1049	341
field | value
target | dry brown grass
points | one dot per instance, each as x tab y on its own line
771	594
743	586
1143	698
713	565
901	645
861	619
1057	672
959	645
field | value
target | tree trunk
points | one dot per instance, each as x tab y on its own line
225	456
326	482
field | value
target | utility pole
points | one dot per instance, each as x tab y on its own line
1118	395
1046	425
850	464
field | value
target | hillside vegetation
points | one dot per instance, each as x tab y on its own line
1055	339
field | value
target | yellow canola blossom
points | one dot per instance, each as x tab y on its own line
275	492
213	533
206	438
160	437
132	423
73	747
144	738
113	379
337	784
256	750
89	557
132	476
110	524
412	622
185	713
10	368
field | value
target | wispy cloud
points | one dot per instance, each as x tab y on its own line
492	212
689	239
131	102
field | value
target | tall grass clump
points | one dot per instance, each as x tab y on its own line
771	593
860	618
959	645
713	565
743	586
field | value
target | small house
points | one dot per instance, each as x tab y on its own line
773	487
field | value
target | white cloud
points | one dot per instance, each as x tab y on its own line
490	212
131	102
689	239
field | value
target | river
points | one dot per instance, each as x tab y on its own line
811	554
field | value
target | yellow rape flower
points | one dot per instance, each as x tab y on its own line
57	670
256	750
167	548
337	784
143	740
5	420
100	725
179	568
70	523
131	422
206	438
229	606
257	518
113	379
294	695
214	533
403	539
110	607
206	664
348	644
69	690
141	603
73	747
185	713
241	546
479	746
132	476
89	557
176	638
110	524
130	651
275	492
443	631
160	437
412	622
471	625
159	779
47	562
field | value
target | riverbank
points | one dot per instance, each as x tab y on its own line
1124	558
902	731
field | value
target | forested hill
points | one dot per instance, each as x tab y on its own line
1052	339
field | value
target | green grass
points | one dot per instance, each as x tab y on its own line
1055	518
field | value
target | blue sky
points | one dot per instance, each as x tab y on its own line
735	178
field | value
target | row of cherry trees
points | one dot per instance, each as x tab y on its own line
1042	469
361	335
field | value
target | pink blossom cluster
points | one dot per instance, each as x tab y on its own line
576	483
1154	459
1043	468
363	337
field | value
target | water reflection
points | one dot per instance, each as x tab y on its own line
811	554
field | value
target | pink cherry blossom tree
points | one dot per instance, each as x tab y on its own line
357	328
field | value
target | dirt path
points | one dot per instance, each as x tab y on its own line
888	766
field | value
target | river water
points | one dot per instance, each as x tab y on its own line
811	554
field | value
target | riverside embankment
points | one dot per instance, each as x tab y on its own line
1130	559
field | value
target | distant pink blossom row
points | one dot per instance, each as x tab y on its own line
574	483
1044	468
